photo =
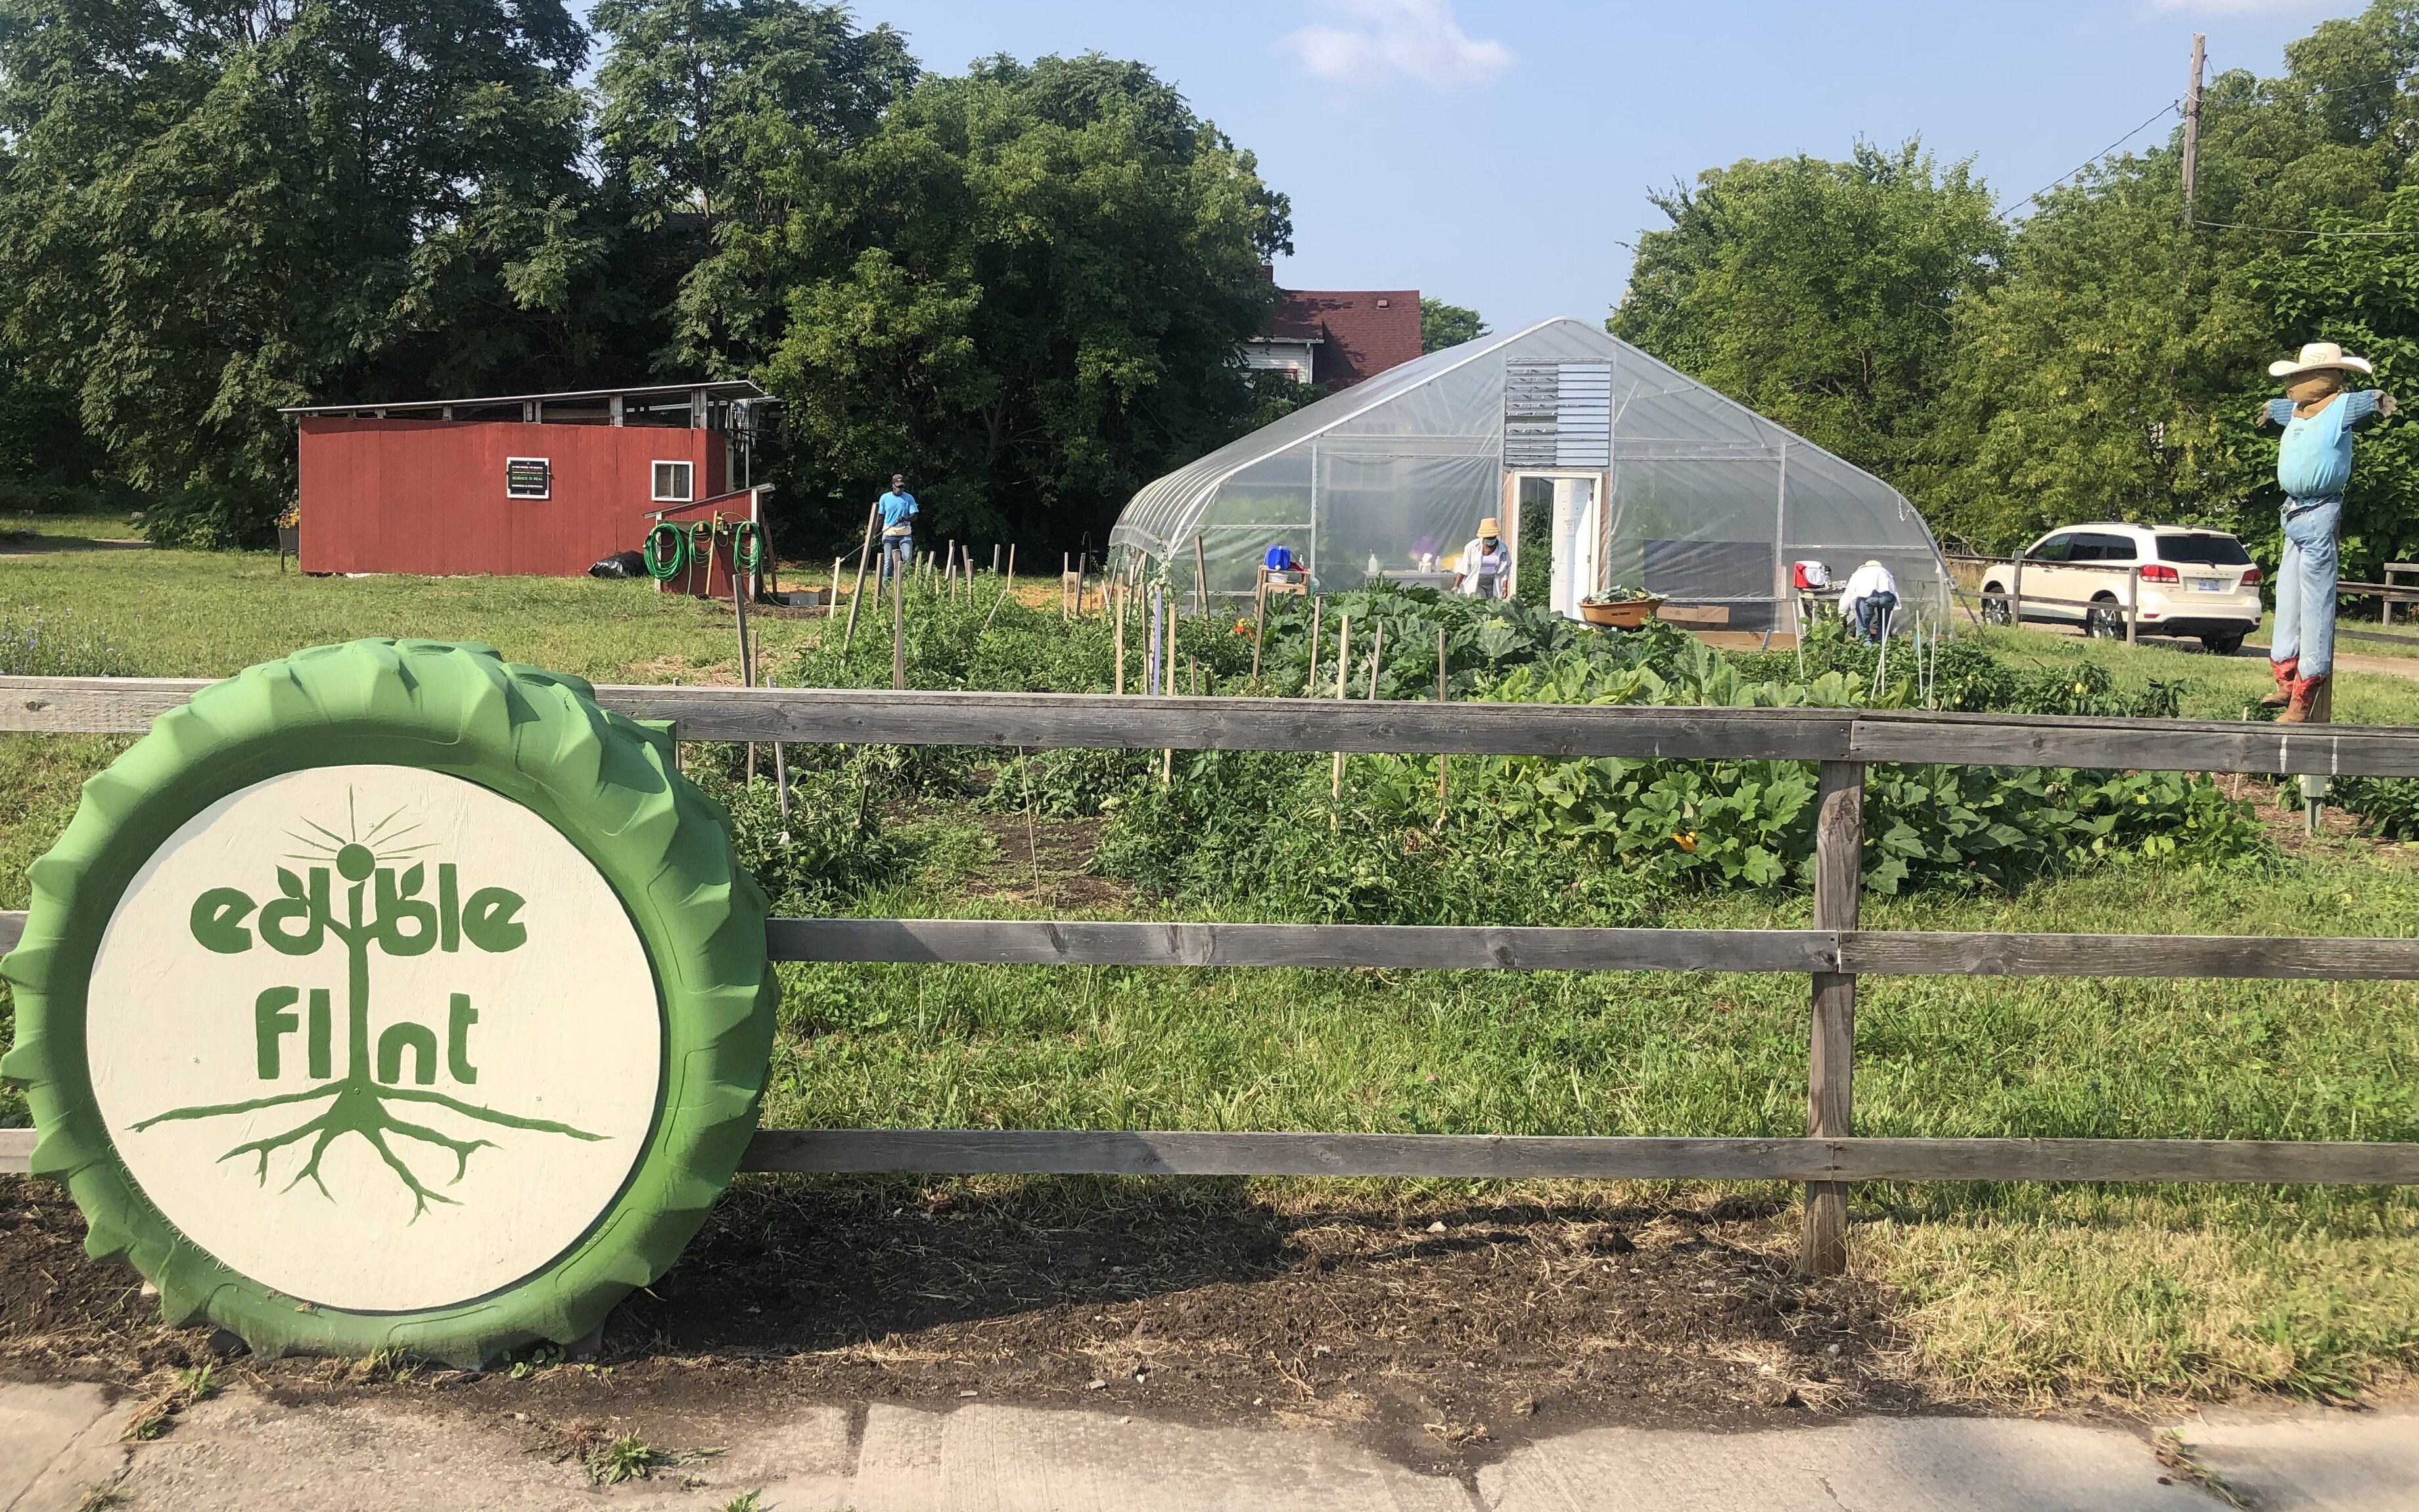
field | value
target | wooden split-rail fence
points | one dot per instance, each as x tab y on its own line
1832	955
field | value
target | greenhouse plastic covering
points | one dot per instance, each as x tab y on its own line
1710	503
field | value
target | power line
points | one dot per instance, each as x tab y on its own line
2166	109
2293	231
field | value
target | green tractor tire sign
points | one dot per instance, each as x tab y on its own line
392	995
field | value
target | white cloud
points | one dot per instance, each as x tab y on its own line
1371	41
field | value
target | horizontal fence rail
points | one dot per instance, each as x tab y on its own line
1482	947
1041	722
1543	1157
1832	956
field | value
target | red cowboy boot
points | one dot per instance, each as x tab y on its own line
2306	697
2284	672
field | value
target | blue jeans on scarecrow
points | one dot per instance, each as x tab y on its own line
2305	585
1874	612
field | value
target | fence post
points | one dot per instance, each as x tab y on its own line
1839	853
2016	597
2133	608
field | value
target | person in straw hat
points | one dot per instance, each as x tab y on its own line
1485	569
2313	464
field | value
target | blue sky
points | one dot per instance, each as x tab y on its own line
1498	154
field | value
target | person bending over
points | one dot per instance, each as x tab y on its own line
1867	601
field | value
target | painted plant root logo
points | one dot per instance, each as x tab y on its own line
383	912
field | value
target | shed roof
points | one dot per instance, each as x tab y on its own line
715	389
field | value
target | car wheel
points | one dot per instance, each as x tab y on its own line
2104	622
2222	645
1994	610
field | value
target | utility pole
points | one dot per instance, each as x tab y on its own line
2192	130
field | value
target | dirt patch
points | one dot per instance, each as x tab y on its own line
1442	1335
64	1317
2288	828
1044	865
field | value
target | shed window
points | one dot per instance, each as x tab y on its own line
675	482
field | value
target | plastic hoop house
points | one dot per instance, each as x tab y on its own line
392	995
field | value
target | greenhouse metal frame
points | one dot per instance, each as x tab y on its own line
1635	474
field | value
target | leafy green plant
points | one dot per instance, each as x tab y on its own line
831	848
625	1459
1521	838
2387	807
631	1458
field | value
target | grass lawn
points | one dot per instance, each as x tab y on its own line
2010	1292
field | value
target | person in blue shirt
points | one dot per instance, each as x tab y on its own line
898	527
2313	464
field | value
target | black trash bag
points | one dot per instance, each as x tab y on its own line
621	565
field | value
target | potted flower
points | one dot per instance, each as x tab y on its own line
289	535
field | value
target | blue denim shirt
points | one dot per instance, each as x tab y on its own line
2315	460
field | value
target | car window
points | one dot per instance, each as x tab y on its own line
2209	548
2085	548
2053	549
2115	547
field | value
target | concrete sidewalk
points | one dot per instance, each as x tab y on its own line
58	1447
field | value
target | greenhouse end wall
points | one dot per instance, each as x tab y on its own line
1707	502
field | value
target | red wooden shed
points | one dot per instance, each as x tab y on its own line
530	483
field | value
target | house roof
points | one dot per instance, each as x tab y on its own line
1360	333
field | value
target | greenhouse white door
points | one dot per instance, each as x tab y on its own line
1574	532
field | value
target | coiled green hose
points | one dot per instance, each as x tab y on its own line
747	546
665	552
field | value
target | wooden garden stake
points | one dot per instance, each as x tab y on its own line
833	607
1343	669
1200	578
862	557
1310	684
1009	588
782	781
1260	630
747	647
1377	651
1442	757
1167	674
898	637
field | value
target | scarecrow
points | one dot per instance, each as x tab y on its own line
2313	464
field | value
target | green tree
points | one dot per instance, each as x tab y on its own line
2361	291
46	461
722	118
2114	374
1821	294
208	213
1027	290
2096	382
1444	325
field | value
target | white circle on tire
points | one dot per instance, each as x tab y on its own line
374	1036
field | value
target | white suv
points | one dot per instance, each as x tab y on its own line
2194	581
